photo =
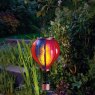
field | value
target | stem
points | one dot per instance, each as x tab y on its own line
45	62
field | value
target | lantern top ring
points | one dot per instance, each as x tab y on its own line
50	38
47	38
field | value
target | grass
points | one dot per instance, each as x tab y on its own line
20	55
8	55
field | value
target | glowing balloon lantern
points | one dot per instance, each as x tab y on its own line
45	51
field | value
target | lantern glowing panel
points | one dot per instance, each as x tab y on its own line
45	51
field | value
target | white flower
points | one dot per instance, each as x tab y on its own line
51	22
59	2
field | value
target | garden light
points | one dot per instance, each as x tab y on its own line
45	51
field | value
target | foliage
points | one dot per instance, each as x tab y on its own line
71	28
46	8
6	82
18	17
29	67
21	56
9	19
5	51
27	16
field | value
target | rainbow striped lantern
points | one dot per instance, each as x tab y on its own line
45	51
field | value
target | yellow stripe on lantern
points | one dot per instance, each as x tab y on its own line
48	55
41	56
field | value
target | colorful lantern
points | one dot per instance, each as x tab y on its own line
45	51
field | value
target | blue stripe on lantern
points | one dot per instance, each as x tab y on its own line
39	44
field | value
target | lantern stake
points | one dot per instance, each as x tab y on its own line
45	51
45	85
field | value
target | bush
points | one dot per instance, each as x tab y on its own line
18	17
